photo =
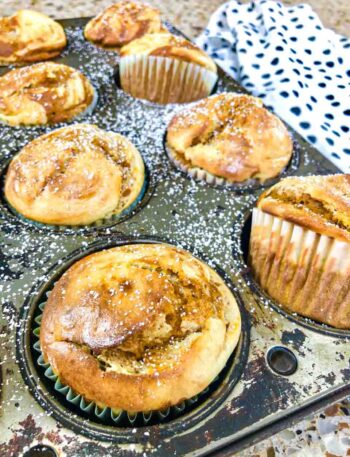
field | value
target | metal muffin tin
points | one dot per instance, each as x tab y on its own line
251	399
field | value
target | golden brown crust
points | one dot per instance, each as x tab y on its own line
139	327
75	175
319	203
43	93
166	45
29	36
230	136
123	22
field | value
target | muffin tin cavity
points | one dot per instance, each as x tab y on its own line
242	228
72	410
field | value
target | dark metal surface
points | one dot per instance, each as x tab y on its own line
251	401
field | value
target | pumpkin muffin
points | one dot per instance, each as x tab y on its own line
121	23
44	93
76	175
229	138
165	68
29	36
139	327
300	246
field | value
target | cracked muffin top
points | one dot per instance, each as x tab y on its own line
319	203
74	175
139	327
230	136
123	22
29	36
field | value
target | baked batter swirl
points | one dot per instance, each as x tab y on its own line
229	136
43	93
74	176
319	203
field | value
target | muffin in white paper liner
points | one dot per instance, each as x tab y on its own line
229	139
164	79
305	272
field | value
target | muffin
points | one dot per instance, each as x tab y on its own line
75	175
29	36
44	93
300	246
229	138
164	68
121	23
139	327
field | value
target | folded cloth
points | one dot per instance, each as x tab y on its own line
300	69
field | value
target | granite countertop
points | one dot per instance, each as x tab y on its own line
327	434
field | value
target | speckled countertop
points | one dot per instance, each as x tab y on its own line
328	433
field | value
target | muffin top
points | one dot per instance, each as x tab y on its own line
319	203
29	36
164	44
43	93
231	136
139	327
74	175
123	22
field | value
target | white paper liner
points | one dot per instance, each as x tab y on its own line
305	272
195	172
165	80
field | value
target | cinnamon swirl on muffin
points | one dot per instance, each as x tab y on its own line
229	138
43	93
139	327
121	23
74	176
29	36
300	246
165	68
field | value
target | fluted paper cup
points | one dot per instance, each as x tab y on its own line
195	172
165	80
305	272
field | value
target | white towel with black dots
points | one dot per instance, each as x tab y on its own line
297	67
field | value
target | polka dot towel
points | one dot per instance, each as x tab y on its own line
299	69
